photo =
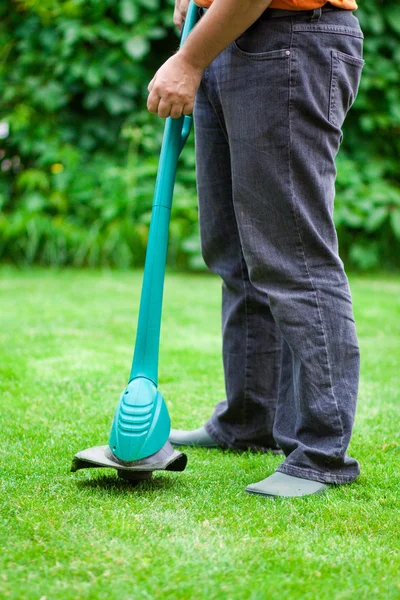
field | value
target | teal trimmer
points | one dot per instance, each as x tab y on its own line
138	442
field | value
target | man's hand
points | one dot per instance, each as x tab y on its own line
173	88
180	11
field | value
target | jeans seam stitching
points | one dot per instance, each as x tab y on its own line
304	255
260	56
245	392
332	91
241	269
327	29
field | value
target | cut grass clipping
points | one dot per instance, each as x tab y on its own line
66	347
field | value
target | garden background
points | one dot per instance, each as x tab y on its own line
79	150
78	161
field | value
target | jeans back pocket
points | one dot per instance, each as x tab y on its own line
345	80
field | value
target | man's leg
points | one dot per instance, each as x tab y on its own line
283	116
251	341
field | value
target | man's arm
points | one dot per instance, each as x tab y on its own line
174	86
223	22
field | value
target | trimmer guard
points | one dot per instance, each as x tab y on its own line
166	459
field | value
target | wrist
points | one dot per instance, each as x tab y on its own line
191	58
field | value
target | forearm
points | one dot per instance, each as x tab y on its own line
223	22
174	86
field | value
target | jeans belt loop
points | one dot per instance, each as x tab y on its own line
316	15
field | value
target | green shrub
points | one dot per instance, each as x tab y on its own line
368	186
79	163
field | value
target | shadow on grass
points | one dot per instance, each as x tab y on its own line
115	485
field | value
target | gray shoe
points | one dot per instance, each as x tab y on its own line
280	484
198	437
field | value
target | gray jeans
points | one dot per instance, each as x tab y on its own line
268	118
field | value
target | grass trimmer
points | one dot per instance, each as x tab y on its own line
138	442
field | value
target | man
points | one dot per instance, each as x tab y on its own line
270	84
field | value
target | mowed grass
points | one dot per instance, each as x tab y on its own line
66	346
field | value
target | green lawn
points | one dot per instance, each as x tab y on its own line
65	352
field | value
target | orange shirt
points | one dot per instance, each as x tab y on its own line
297	4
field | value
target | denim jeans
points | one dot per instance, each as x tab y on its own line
268	117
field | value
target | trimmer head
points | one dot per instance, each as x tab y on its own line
138	442
166	459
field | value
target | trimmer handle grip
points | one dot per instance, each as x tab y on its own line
186	127
192	16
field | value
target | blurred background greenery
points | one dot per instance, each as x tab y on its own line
79	151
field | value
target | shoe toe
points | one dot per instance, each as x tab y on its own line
280	484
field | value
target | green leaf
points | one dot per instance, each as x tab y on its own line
116	103
93	75
34	202
128	11
156	33
50	96
349	217
395	223
33	179
92	99
71	33
365	256
150	4
137	47
376	218
393	18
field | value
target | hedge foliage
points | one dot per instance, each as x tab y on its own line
79	151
